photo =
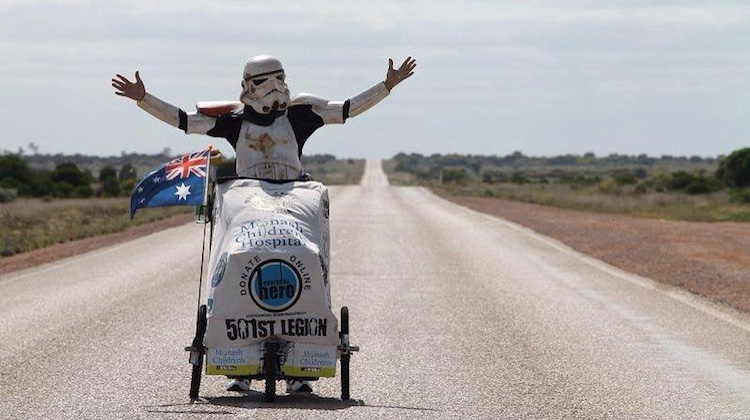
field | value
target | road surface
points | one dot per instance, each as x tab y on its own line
459	316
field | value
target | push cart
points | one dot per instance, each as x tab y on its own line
267	312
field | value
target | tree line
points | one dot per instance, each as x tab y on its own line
66	180
79	176
691	175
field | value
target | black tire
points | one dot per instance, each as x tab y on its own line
200	331
345	357
269	370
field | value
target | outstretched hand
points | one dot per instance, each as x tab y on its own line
135	91
396	76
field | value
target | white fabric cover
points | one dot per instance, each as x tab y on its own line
268	266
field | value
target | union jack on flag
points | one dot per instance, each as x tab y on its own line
184	166
179	182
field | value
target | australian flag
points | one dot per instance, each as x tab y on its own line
180	182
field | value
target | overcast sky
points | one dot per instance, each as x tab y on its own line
493	77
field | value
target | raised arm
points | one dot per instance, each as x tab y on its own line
367	99
339	111
189	123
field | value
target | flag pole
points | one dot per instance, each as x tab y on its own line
203	213
208	175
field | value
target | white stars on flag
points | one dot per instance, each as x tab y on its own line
182	192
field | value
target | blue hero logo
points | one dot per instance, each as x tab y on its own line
275	285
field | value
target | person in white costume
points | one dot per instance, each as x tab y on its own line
267	128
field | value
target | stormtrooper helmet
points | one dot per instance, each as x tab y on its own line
263	85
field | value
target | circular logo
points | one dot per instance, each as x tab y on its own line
275	285
221	267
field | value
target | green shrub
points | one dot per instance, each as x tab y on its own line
625	179
111	187
703	186
609	186
82	191
63	189
734	170
739	195
7	195
692	184
70	172
518	178
454	176
680	180
128	172
127	187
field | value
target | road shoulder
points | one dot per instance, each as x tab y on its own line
707	259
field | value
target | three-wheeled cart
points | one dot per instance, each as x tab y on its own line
267	312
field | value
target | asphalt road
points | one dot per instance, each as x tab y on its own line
459	315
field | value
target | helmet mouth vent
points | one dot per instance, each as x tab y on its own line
276	106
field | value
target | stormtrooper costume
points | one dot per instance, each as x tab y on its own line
267	128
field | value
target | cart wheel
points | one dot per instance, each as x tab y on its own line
269	370
345	357
200	331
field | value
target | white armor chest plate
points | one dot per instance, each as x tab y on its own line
268	152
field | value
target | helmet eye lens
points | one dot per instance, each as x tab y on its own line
260	79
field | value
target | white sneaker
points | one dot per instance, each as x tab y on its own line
239	385
298	386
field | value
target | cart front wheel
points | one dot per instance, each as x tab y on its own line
345	356
269	370
196	353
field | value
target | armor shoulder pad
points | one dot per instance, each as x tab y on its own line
216	108
309	99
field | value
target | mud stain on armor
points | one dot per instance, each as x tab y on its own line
263	144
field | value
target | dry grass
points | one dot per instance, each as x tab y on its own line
603	197
715	207
337	171
30	224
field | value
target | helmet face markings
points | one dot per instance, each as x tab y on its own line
264	87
